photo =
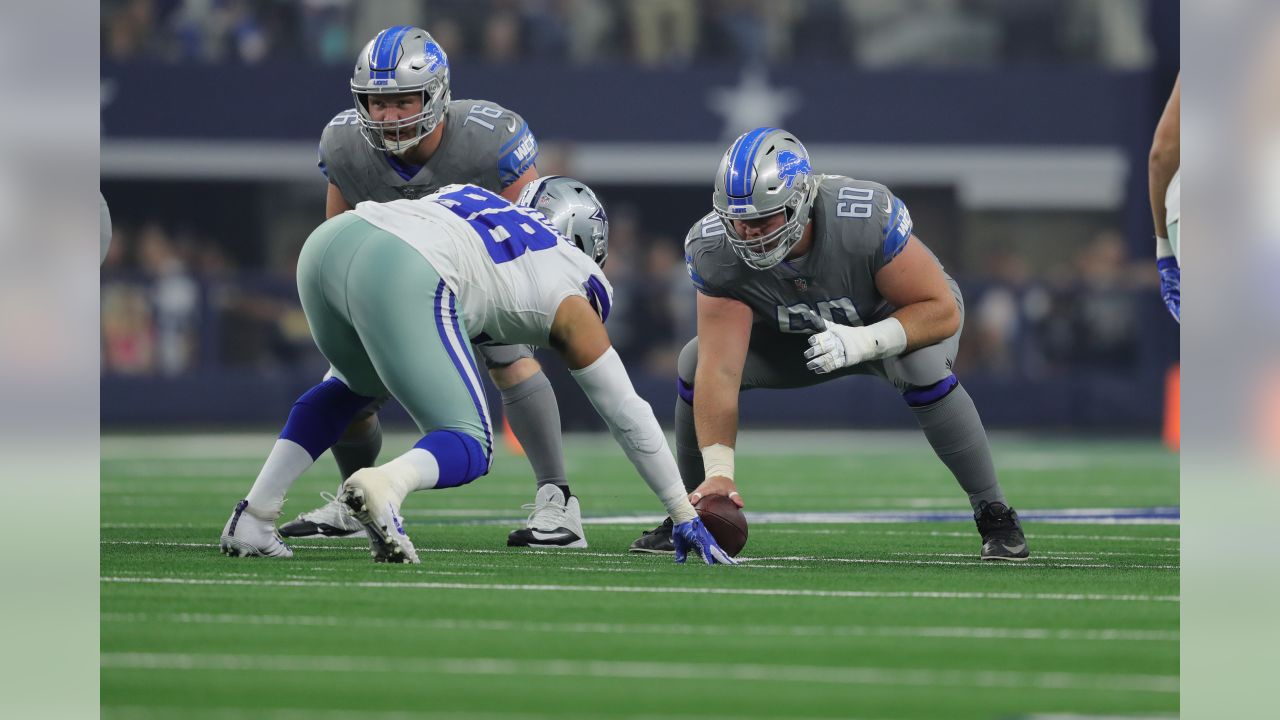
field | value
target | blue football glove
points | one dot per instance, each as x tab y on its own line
1171	286
693	535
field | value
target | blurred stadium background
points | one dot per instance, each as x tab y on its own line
1016	131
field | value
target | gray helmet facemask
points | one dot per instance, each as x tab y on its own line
401	59
572	209
765	171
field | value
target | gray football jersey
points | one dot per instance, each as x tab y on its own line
484	144
858	227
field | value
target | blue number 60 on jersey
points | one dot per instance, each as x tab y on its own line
508	231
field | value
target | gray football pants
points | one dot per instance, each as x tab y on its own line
942	407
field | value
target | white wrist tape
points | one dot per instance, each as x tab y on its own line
1164	248
889	337
718	461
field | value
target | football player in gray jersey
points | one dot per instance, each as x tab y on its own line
405	138
802	278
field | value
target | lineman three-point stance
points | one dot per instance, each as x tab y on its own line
394	294
403	139
802	278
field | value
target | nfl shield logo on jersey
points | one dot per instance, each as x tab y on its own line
802	284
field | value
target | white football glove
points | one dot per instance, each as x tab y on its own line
841	346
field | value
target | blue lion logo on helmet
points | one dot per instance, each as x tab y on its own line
435	56
790	165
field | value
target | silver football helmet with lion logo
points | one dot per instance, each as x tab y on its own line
765	171
573	209
401	59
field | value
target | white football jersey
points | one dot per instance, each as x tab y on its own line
509	268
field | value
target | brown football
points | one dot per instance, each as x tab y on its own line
725	522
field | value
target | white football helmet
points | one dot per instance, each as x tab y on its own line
401	59
573	209
765	171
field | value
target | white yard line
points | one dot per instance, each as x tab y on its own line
604	669
701	629
774	592
1035	562
147	712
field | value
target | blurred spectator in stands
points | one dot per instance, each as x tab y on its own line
819	32
919	32
592	28
1096	316
326	28
664	33
1004	318
130	29
501	38
545	28
748	31
449	34
128	342
1111	33
174	297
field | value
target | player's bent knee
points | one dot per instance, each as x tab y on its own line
461	457
687	362
684	389
930	394
321	414
514	373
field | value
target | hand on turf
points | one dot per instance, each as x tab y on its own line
693	535
1171	286
718	485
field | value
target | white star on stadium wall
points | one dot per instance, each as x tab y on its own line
752	103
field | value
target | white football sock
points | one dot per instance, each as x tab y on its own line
414	470
286	463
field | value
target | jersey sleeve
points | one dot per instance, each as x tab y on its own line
894	223
699	256
328	152
518	151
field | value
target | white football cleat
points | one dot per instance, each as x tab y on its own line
248	534
553	523
332	519
369	496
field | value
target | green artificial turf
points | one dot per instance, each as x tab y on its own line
824	620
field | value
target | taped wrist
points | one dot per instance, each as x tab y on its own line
890	338
1164	248
718	461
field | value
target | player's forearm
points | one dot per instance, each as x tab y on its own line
715	407
928	322
1160	172
1165	157
633	425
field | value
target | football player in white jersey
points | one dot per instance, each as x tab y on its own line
406	137
482	270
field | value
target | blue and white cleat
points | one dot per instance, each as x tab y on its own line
693	535
369	497
248	534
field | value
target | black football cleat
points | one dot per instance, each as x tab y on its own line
1002	537
657	540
